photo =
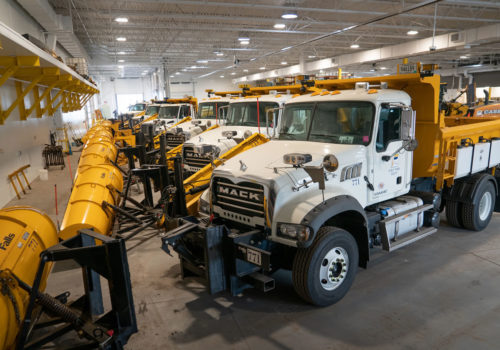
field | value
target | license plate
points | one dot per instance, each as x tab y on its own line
254	257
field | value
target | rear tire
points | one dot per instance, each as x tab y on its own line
323	273
453	213
477	215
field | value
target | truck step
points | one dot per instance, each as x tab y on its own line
408	238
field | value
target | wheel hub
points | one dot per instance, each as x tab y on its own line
334	268
485	205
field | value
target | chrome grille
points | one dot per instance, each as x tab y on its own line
193	159
174	140
244	198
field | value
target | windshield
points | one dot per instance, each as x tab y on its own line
138	107
211	110
152	110
335	122
245	113
168	112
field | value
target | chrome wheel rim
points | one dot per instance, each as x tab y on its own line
485	206
334	268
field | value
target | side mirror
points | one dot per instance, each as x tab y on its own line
407	124
272	110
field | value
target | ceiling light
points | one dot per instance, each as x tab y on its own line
245	70
412	32
193	67
177	73
476	65
121	61
121	38
284	62
171	76
202	61
279	26
372	70
383	68
121	52
184	70
311	56
121	19
262	68
120	66
286	48
289	14
222	76
244	38
220	54
244	42
233	73
464	57
145	71
354	46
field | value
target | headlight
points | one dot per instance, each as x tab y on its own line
247	134
294	231
297	159
229	133
204	206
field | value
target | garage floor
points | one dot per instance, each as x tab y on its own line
439	293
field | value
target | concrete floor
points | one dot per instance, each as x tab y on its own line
440	293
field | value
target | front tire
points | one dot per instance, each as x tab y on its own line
323	273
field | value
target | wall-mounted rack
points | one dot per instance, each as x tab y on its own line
34	70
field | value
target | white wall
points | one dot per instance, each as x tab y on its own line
197	87
21	142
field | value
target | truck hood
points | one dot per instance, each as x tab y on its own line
214	137
265	164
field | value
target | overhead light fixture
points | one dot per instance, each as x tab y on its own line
184	70
222	76
476	65
372	70
262	68
121	38
121	61
233	73
286	48
311	56
121	19
177	73
245	70
279	26
243	38
284	62
244	42
354	46
171	76
219	54
145	71
289	14
202	61
193	67
121	52
412	32
383	68
120	66
464	57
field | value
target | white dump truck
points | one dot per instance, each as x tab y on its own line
245	116
210	112
366	162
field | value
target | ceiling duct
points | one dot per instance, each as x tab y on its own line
60	26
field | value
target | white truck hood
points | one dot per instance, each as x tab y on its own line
214	137
260	162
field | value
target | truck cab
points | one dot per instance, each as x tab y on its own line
245	116
210	112
168	115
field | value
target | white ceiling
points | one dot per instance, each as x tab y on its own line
182	33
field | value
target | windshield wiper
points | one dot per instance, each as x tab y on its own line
326	136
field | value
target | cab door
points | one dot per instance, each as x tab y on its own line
391	163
